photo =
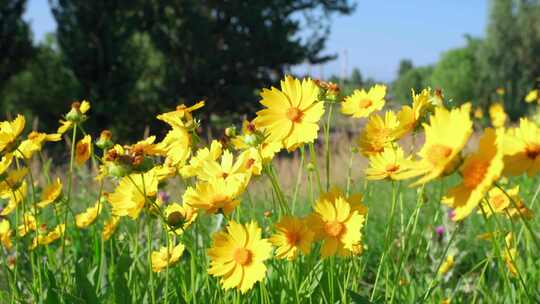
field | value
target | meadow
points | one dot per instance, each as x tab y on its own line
321	198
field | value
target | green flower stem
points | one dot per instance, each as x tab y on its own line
327	145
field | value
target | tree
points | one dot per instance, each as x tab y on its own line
15	40
405	65
222	51
98	40
456	72
415	78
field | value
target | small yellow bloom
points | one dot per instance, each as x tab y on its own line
292	114
46	239
500	91
14	198
29	224
214	196
378	133
166	257
180	117
176	145
445	137
5	234
478	113
362	103
337	224
110	227
497	115
522	149
446	265
238	256
498	202
533	95
228	169
391	163
86	218
65	125
180	217
200	158
83	150
9	132
510	254
292	236
133	193
479	171
50	193
34	143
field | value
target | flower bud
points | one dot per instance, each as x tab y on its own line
104	142
75	115
230	131
175	219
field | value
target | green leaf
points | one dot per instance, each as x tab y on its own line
51	296
85	288
360	299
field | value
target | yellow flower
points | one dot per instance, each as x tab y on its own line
533	95
5	234
176	146
355	200
390	164
409	117
292	114
293	236
132	194
46	239
510	254
337	224
64	126
500	91
203	155
50	193
76	114
497	115
9	132
34	143
13	180
251	138
29	224
479	171
110	227
446	301
522	149
226	169
214	196
166	257
238	256
181	116
378	133
83	150
14	197
447	265
445	136
362	103
86	218
478	113
180	217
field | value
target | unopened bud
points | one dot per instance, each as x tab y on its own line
175	219
104	142
230	131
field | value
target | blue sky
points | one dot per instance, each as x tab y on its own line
375	38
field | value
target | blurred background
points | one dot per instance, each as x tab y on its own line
135	58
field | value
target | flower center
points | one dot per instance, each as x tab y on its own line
82	149
365	103
242	256
437	152
498	202
474	173
532	152
293	238
295	115
391	168
334	228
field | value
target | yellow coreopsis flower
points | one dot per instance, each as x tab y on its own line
46	239
292	236
510	254
86	218
292	114
446	265
83	150
76	114
14	197
378	133
533	95
9	132
29	224
180	217
217	195
478	113
227	169
132	194
202	156
238	256
34	143
362	103
445	137
13	180
166	257
110	227
176	146
497	115
479	171
337	224
500	91
181	116
391	163
522	149
251	138
5	234
50	193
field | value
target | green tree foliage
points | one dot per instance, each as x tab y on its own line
15	40
456	72
415	78
98	39
222	50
